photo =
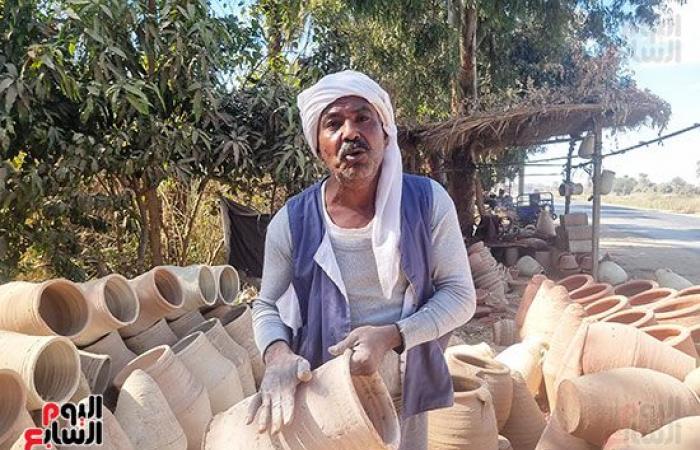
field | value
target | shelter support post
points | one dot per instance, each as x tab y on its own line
521	179
597	170
567	176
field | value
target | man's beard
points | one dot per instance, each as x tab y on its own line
351	173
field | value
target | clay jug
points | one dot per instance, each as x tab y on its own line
146	417
54	307
606	306
113	346
218	337
555	438
368	420
113	436
495	375
160	293
113	304
693	290
527	266
680	311
611	273
543	315
634	287
648	299
676	336
575	282
592	407
634	317
505	332
97	370
525	358
591	293
468	424
668	278
48	365
185	394
227	284
198	288
526	422
157	334
218	375
238	323
183	325
528	296
13	398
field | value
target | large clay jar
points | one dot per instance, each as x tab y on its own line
157	334
146	417
545	311
220	339
183	325
591	293
97	370
505	332
469	424
525	358
593	407
218	374
368	420
54	307
668	278
48	365
634	287
648	299
606	306
676	336
575	282
113	304
637	318
227	284
555	438
526	422
238	323
113	435
160	293
113	346
13	398
528	296
693	290
495	375
680	311
198	287
185	394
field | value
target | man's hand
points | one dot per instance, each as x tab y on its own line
369	345
274	404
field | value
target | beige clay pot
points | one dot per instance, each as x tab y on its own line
575	282
525	358
113	346
505	332
13	397
681	434
113	436
623	440
157	334
668	278
228	284
545	311
693	290
480	350
97	370
183	325
676	336
24	421
198	287
606	306
648	299
637	318
526	422
591	293
527	298
680	311
634	287
555	438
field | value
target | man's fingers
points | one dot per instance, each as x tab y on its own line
303	370
253	409
276	414
287	407
264	416
339	348
361	362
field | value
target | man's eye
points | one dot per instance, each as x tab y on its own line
332	125
364	118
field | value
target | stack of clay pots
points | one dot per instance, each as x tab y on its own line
488	274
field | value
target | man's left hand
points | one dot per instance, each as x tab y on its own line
369	345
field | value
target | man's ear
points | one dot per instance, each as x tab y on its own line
386	139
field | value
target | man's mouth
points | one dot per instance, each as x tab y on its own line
351	151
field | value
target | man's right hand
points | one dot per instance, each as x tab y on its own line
274	404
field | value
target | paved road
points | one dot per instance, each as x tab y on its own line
643	240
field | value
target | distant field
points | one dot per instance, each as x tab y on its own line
661	202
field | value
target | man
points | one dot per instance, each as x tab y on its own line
368	259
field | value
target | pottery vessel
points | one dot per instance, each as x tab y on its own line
228	284
591	293
693	290
680	311
575	282
668	278
611	273
157	334
634	317
159	292
481	350
528	266
505	332
543	315
113	435
13	398
525	358
97	370
183	325
526	422
634	287
606	306
16	439
648	299
198	288
555	438
113	346
681	434
527	299
676	336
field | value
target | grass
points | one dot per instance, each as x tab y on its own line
662	202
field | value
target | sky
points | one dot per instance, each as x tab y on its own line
667	63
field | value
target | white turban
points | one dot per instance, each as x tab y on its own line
387	204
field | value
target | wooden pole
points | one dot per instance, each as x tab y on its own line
567	202
597	170
521	179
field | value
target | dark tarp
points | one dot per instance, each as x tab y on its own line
244	236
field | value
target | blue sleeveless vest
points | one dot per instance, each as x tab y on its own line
325	313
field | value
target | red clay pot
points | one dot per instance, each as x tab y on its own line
591	293
647	299
634	317
635	287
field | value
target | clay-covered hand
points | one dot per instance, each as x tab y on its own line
274	404
369	344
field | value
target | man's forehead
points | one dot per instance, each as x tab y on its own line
350	103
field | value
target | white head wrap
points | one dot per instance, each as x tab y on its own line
387	203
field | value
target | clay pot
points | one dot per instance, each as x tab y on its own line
160	293
567	262
555	438
495	375
623	440
368	421
695	336
13	397
511	256
575	282
634	317
668	278
113	346
113	435
216	334
543	315
676	336
157	334
198	287
48	365
526	422
476	264
527	299
528	266
606	306
692	380
146	417
185	394
591	293
634	287
481	350
227	284
594	406
504	443
183	325
469	424
505	332
218	374
475	247
238	323
544	258
525	358
680	311
648	299
82	391
611	273
54	307
693	290
681	434
113	304
16	433
545	224
97	370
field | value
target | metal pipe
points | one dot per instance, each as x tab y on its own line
597	170
567	174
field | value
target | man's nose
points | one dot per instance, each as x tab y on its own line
350	131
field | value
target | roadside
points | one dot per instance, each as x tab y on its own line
672	203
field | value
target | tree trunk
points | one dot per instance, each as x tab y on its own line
154	220
461	189
466	77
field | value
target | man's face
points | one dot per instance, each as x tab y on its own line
351	140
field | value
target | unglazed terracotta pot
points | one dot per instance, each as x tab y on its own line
526	422
634	287
218	374
591	293
504	443
528	266
48	365
97	370
681	434
24	421
198	287
668	278
160	293
113	436
82	391
634	317
146	417
693	290
113	346
505	332
220	339
468	424
676	336
555	438
575	282
527	299
606	306
543	315
525	358
227	284
54	307
623	440
368	419
113	304
13	397
481	350
593	407
185	394
183	325
695	336
157	334
648	299
680	311
496	377
611	272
